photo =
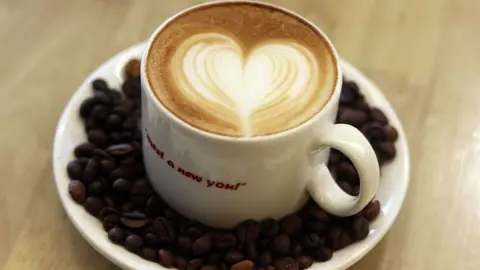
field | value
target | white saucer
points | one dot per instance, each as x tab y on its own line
70	132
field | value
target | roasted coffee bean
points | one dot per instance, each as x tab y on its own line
360	228
263	243
323	254
164	229
122	185
281	244
349	93
139	200
97	137
127	207
194	264
194	232
83	161
126	136
338	239
224	241
286	263
99	113
142	187
101	154
103	97
345	186
114	137
133	220
248	231
75	170
374	132
151	239
129	161
317	227
154	206
291	225
95	188
116	96
318	214
107	226
114	219
149	254
362	105
129	124
116	235
106	166
181	263
122	110
132	69
109	201
391	133
378	116
90	172
106	211
87	106
77	191
335	157
100	84
386	150
243	265
214	258
133	243
184	244
114	122
304	262
296	249
166	258
84	150
251	251
347	171
120	149
311	241
372	210
269	227
353	117
266	258
202	246
209	267
123	172
131	90
93	205
234	257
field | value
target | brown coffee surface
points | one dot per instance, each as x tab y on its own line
241	69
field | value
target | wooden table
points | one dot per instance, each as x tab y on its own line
423	54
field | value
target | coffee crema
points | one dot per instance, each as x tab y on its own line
241	69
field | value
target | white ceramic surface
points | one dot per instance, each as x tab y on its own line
221	180
69	133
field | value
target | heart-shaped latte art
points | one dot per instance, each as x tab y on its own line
246	86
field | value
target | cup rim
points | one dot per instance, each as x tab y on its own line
334	96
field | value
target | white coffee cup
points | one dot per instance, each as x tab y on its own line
221	181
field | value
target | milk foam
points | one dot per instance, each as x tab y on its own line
241	69
256	85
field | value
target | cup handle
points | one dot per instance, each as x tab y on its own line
323	188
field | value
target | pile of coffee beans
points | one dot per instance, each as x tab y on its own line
108	179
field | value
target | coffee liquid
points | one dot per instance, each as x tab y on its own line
241	69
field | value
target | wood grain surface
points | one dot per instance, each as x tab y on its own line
424	55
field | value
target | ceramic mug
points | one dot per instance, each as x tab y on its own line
221	181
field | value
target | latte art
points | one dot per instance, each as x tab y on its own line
241	70
245	88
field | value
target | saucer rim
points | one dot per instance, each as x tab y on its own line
126	260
